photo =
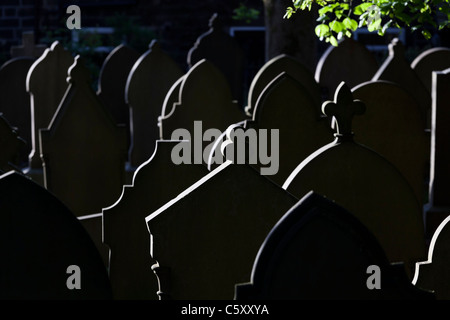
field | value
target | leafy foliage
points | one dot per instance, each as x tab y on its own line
339	18
244	13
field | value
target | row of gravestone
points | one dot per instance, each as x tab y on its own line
210	121
210	232
350	62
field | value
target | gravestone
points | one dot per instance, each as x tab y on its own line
169	106
46	83
350	62
46	253
438	205
150	79
275	66
433	274
83	150
15	100
365	184
434	59
224	52
397	69
155	182
204	95
205	240
393	127
112	81
10	146
286	105
83	153
318	250
28	48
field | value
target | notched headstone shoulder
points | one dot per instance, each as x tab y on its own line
397	69
433	274
155	182
223	51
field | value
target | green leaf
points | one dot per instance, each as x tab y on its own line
333	41
322	30
337	26
359	10
350	24
426	34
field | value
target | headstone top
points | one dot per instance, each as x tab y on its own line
396	48
78	72
215	22
343	108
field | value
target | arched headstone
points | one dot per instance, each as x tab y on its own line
364	183
275	66
318	250
224	52
150	79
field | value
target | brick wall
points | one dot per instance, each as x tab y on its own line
177	23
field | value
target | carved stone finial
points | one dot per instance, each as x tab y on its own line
343	108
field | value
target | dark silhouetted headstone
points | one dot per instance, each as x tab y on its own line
434	59
397	69
149	81
224	52
83	149
112	82
204	95
46	253
275	66
350	62
10	146
318	250
83	153
393	127
364	183
15	100
438	206
46	84
286	105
